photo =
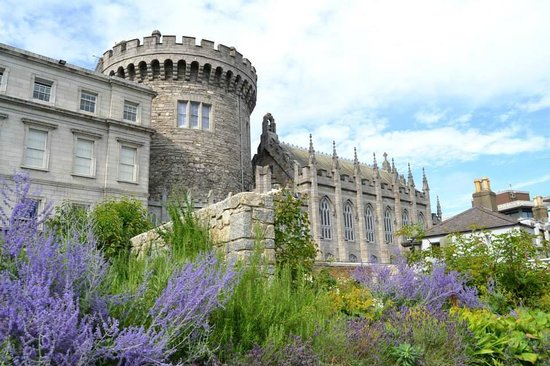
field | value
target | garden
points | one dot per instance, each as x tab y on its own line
73	293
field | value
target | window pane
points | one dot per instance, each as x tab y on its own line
41	91
84	148
130	111
194	115
82	166
127	166
36	148
205	116
127	155
83	162
87	102
182	114
34	158
126	172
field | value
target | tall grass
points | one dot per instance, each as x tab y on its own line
269	310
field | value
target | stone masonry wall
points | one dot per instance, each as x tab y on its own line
235	224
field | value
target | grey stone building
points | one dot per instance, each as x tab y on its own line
354	208
201	114
79	134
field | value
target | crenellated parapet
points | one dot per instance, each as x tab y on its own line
160	57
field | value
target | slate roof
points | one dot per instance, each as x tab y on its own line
474	218
324	161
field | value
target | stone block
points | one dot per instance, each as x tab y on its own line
241	226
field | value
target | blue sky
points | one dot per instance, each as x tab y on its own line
459	87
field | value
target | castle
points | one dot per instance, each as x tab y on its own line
160	114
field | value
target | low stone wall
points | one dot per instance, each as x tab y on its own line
235	224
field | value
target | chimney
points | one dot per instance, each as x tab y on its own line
540	212
483	196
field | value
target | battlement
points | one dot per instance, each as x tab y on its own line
157	44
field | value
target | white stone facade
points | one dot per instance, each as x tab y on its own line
67	128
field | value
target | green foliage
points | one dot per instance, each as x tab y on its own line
294	245
405	354
267	310
68	220
185	234
508	263
520	338
115	222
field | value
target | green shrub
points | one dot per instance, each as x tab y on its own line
115	222
68	220
294	245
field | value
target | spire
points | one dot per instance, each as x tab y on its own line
425	186
393	170
355	160
386	164
439	212
335	163
410	177
312	158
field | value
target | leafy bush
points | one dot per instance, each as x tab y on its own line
295	352
522	337
294	245
115	222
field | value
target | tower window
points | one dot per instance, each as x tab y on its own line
194	115
326	227
388	226
349	235
369	223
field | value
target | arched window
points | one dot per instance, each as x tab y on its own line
120	72
373	258
326	227
388	226
218	76
155	67
348	222
194	71
329	257
206	71
405	218
369	223
131	72
142	70
181	69
421	220
352	258
168	69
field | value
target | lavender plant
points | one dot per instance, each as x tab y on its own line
56	301
405	284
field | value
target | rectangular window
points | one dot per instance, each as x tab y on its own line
84	157
42	90
182	114
35	148
1	75
88	101
194	115
130	111
127	170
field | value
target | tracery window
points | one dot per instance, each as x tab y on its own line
349	235
405	217
325	214
421	220
369	223
388	226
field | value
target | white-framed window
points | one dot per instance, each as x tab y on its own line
131	111
128	164
196	115
388	226
88	101
84	156
349	234
326	220
369	223
42	90
3	79
36	154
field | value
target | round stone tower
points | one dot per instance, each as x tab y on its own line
201	113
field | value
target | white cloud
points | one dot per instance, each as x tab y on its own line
429	117
532	182
536	105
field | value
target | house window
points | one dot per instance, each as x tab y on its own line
1	77
326	227
128	167
88	101
194	115
388	226
42	90
84	162
405	218
36	148
369	223
373	258
348	222
353	258
130	111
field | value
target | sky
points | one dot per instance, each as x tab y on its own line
459	87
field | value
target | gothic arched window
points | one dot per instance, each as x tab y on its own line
353	258
388	226
325	214
348	222
405	218
369	223
421	220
